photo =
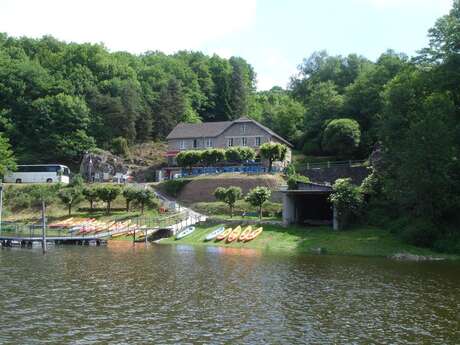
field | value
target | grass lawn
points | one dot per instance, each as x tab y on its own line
359	242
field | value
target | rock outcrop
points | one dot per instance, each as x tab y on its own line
101	166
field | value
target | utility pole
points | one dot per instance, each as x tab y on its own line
43	227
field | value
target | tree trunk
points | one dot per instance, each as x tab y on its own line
91	205
142	208
260	213
127	205
108	207
270	163
70	209
231	211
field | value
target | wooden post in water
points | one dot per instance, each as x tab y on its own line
43	227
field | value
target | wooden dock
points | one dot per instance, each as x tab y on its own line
17	241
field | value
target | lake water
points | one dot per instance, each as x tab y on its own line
163	294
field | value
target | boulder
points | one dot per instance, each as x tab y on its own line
101	166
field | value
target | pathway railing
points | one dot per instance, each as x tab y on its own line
333	164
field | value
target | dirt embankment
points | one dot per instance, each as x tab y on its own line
202	189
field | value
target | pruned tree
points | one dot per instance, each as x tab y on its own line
229	196
70	196
108	194
130	194
257	197
91	195
273	152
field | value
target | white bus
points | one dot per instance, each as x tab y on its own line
39	174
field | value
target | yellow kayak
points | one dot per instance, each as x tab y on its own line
245	232
234	234
224	234
253	234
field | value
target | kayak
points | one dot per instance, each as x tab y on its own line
253	234
234	234
212	235
61	224
185	232
245	232
223	234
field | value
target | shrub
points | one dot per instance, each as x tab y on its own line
294	180
188	158
341	137
212	156
421	233
247	154
233	154
120	146
173	187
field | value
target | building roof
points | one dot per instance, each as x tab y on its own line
213	129
198	130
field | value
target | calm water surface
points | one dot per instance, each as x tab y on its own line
179	294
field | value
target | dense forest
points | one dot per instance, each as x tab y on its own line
60	99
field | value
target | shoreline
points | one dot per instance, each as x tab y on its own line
361	241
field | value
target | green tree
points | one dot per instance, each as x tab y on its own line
257	197
108	193
91	195
229	196
347	200
70	196
7	159
273	152
130	194
146	197
341	137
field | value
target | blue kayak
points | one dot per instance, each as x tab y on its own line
212	235
185	232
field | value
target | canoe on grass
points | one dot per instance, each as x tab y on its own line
223	235
185	232
234	234
61	223
253	234
212	235
245	232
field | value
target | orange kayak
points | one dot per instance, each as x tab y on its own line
245	233
234	234
253	234
224	234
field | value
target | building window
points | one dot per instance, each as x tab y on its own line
244	141
230	142
208	142
182	145
257	141
195	143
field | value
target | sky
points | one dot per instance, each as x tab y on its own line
274	36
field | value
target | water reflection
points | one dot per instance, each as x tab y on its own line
161	294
